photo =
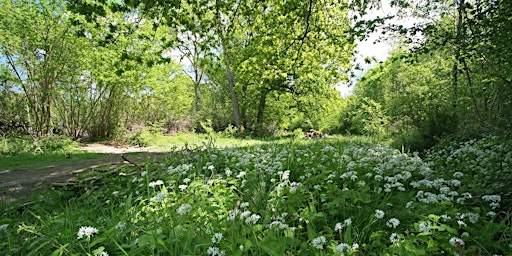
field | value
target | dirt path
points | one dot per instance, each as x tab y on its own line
20	183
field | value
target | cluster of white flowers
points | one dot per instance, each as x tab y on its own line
246	215
217	237
394	238
346	249
182	169
457	242
155	183
319	242
215	251
120	225
339	226
393	223
494	200
184	208
379	214
159	197
86	232
425	226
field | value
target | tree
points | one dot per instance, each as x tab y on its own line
38	45
266	44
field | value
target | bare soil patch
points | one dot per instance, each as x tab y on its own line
21	183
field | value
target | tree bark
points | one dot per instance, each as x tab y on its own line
231	83
261	106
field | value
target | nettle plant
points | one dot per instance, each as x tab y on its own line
316	198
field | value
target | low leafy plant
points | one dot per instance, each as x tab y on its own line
314	197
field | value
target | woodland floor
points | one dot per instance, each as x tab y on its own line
15	185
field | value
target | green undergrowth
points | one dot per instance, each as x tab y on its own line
25	161
298	197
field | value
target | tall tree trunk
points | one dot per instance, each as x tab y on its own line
231	83
458	40
261	106
471	91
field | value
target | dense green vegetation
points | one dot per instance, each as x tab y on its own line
305	197
235	84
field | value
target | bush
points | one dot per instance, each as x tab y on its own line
46	144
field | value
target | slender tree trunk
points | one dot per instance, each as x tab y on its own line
231	83
458	39
261	106
471	91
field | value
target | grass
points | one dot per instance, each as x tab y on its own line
24	161
294	197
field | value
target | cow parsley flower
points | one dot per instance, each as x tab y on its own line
87	232
182	187
319	242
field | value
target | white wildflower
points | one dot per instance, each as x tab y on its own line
103	253
217	237
473	217
379	214
182	187
338	227
245	214
87	232
425	227
186	180
120	225
159	197
286	175
457	242
155	183
394	238
252	219
343	248
393	223
215	251
4	227
458	175
319	242
184	208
